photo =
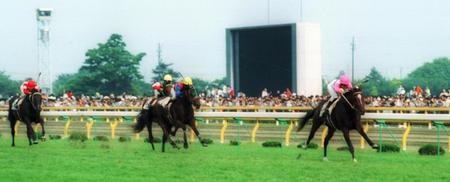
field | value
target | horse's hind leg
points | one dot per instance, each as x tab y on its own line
185	145
314	128
41	122
150	134
12	122
349	143
327	140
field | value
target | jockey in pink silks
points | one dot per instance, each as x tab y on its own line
336	88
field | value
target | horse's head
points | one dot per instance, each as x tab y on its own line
356	98
190	95
36	100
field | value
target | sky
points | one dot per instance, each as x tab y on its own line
394	36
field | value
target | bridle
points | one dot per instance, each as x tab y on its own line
31	99
348	102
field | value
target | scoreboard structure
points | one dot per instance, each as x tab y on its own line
276	57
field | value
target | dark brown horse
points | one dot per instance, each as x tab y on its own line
157	114
346	116
28	112
183	112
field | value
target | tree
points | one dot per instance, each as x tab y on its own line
163	68
110	68
8	87
376	84
435	75
63	83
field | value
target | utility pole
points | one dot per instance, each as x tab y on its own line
301	10
268	12
159	53
353	58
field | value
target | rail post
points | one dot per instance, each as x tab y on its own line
405	136
366	129
222	131
255	129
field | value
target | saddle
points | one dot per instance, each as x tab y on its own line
331	104
16	103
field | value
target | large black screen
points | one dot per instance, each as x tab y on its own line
262	58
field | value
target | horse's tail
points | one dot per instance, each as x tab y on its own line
308	116
142	119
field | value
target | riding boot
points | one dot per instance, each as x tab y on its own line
325	109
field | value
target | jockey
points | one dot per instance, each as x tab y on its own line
26	88
336	88
165	89
164	92
185	84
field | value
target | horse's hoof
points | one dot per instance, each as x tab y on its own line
205	145
375	146
325	159
355	161
35	142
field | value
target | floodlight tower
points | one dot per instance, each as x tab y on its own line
43	17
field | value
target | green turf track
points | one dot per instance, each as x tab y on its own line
61	160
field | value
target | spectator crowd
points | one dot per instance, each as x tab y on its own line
225	97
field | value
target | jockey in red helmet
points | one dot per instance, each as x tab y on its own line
336	88
26	88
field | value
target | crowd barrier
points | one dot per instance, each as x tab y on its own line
287	119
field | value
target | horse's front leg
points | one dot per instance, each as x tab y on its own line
327	140
12	122
197	133
41	122
30	134
364	135
349	143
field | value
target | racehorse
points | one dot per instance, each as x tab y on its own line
345	116
29	111
155	113
182	112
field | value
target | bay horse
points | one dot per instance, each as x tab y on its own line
345	116
28	112
183	112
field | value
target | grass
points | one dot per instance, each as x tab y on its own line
62	160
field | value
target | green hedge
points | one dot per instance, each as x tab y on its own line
389	148
271	144
207	141
431	149
54	137
101	138
124	139
234	142
78	136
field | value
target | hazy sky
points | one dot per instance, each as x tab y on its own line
394	36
